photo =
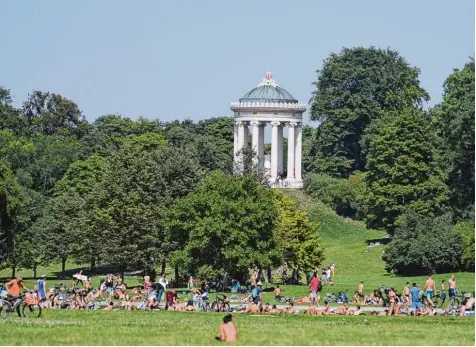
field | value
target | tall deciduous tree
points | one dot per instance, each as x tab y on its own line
355	87
50	113
224	227
453	120
297	237
401	168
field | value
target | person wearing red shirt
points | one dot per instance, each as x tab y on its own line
314	286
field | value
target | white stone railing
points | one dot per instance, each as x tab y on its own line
269	104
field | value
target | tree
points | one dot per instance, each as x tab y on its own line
354	88
423	245
10	117
453	121
466	229
130	203
10	204
296	236
402	171
224	227
52	114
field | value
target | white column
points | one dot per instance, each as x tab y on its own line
280	150
298	151
255	140
244	141
261	145
274	150
235	140
291	143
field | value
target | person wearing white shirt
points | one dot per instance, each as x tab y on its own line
162	288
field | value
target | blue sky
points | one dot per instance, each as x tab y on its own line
189	59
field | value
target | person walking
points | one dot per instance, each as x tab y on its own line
314	288
162	287
416	301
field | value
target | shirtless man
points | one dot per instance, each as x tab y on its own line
468	307
277	291
430	288
391	299
274	309
406	293
344	309
452	284
228	332
360	291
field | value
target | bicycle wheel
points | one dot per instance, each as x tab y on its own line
31	311
453	303
214	307
234	298
280	298
437	301
226	307
4	309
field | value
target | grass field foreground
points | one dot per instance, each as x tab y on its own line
60	327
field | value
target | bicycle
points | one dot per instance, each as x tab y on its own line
30	307
220	304
284	300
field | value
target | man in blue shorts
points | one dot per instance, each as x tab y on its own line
41	288
416	301
430	287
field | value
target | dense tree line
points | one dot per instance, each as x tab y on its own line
378	156
136	194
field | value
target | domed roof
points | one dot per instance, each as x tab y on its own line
268	91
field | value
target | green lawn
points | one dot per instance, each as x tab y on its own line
191	328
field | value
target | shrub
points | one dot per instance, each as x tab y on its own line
342	195
422	245
466	229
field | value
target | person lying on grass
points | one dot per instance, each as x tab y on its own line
344	309
228	331
251	308
305	299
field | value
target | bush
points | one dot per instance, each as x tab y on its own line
466	229
423	245
342	195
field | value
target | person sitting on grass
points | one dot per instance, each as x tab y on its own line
344	309
138	296
326	311
356	297
252	308
153	304
311	310
358	311
290	309
467	307
109	307
274	310
127	305
228	331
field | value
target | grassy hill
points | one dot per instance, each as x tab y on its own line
346	245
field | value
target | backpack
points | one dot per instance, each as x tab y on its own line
319	286
254	293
